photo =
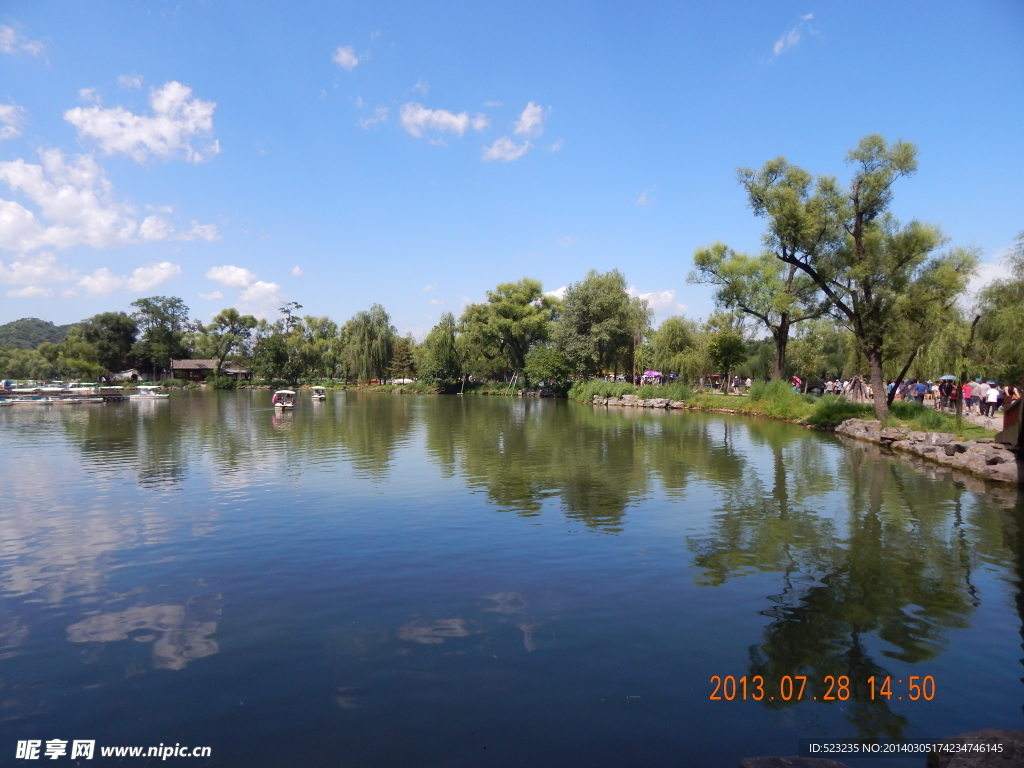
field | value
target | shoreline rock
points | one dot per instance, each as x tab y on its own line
983	457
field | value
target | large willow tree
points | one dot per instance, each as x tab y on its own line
372	343
874	270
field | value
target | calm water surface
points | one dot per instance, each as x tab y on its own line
440	581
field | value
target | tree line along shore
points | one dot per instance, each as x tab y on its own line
841	288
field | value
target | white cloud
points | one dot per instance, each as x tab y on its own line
530	122
431	287
567	242
12	119
493	103
555	146
147	278
231	276
177	119
417	118
793	36
76	206
788	40
13	43
130	82
199	231
260	299
210	296
31	292
155	228
380	115
506	150
34	269
997	269
558	293
141	279
436	301
90	95
297	271
345	58
662	302
422	86
643	199
359	102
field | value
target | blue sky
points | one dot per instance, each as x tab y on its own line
418	154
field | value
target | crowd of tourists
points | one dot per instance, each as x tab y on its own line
985	397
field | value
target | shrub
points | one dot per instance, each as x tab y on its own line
221	382
585	389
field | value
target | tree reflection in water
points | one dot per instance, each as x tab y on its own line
895	564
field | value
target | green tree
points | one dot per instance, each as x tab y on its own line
778	295
403	363
372	343
679	346
163	323
226	334
73	357
112	335
515	317
1001	327
809	349
865	262
440	360
727	350
269	351
596	329
545	363
20	363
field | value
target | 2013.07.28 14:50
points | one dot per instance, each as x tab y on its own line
832	688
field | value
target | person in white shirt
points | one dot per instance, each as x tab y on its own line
992	396
983	398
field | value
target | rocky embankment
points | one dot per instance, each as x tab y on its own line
983	457
632	401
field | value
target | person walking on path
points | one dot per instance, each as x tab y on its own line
919	390
967	390
982	390
993	399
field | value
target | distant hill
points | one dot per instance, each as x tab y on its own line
30	332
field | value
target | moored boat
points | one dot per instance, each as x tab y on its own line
148	392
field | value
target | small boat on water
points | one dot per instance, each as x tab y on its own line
148	392
318	393
284	398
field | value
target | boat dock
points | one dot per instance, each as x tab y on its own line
43	395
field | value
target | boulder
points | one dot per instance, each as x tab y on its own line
952	448
614	401
677	404
939	438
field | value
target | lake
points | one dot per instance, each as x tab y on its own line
407	580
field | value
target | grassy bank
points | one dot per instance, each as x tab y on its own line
777	400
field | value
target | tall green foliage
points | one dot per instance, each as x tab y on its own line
372	343
597	324
163	324
514	318
778	295
440	360
1001	327
848	242
112	335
